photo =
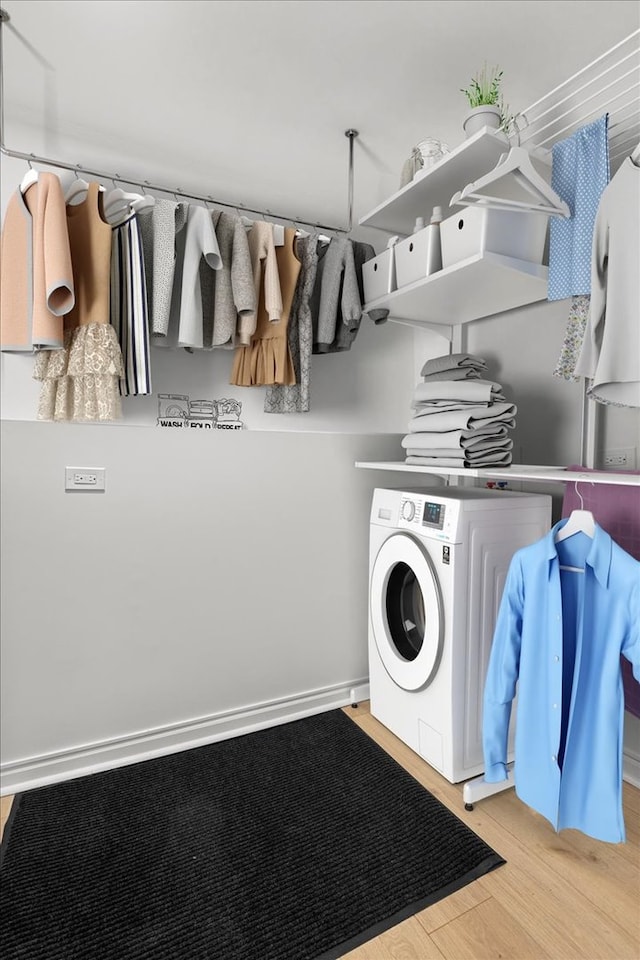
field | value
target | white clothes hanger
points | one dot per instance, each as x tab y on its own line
516	164
118	202
77	188
580	521
30	177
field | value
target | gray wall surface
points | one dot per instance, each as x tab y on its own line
216	571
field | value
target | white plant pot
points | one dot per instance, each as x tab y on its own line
486	115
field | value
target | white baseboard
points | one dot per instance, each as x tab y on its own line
20	775
631	770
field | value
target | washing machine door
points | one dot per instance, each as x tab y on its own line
406	612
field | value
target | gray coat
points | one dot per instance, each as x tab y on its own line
229	292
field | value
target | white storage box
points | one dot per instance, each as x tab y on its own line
479	230
418	256
379	275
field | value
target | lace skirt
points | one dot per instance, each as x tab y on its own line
81	381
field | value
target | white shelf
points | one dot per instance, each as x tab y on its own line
470	160
514	472
480	286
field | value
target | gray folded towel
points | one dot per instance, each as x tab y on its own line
460	373
471	417
425	407
452	360
479	391
428	444
457	439
497	459
421	424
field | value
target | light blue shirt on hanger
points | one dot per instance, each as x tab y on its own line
558	639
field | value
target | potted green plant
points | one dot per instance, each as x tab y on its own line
487	108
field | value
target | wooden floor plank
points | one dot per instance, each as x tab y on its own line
454	906
488	932
538	892
406	941
5	810
598	870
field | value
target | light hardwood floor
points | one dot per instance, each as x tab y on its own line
558	897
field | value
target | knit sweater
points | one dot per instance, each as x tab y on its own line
265	277
339	298
228	293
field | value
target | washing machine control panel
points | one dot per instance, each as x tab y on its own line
429	515
408	510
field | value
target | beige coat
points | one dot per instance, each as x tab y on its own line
36	276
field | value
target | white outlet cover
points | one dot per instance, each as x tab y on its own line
88	479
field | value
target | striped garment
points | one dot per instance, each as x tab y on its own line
129	311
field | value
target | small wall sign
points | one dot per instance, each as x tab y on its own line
177	412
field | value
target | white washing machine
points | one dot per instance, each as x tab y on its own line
438	559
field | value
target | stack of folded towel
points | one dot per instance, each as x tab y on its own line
459	419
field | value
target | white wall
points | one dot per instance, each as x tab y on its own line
218	572
219	576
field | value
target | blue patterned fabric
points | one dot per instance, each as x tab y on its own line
579	174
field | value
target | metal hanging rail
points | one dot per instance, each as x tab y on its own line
609	84
78	168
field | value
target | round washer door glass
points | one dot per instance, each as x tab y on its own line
406	612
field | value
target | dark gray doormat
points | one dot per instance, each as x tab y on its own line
294	843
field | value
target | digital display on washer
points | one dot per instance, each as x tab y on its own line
433	515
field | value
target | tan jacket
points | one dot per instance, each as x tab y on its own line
36	276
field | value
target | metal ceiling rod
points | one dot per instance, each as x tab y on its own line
174	191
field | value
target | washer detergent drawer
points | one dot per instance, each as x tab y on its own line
406	612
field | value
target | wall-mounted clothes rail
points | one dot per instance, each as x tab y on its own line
78	168
609	84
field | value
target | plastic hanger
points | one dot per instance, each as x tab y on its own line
30	177
516	164
118	201
580	521
76	189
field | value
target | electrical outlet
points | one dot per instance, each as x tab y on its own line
84	478
622	457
